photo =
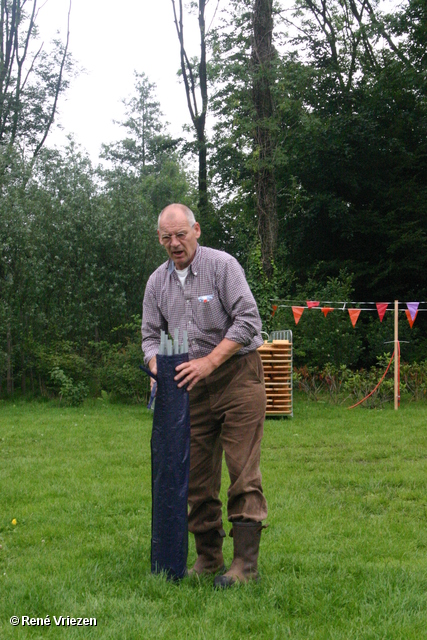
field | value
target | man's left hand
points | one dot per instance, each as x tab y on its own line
191	372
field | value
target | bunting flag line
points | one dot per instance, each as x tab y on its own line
354	315
411	319
297	311
381	308
413	309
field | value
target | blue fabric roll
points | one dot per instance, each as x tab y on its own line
170	469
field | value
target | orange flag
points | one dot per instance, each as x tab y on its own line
381	308
410	319
354	314
297	311
326	310
312	303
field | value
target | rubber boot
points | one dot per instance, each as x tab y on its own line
209	553
246	537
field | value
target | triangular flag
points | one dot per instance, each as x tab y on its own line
274	309
413	309
326	310
312	303
297	311
411	319
381	308
354	314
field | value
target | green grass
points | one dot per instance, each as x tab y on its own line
344	556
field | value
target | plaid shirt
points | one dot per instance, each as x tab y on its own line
215	303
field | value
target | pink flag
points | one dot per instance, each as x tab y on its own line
354	314
413	309
326	310
411	319
312	303
297	311
381	308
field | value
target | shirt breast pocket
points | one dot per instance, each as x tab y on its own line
208	312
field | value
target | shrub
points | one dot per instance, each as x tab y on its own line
72	393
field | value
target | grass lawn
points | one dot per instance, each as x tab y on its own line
344	557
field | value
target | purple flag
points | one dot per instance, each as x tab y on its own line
413	308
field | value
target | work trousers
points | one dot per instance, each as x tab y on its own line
227	411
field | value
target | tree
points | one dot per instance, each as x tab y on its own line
263	55
147	142
31	79
194	75
245	157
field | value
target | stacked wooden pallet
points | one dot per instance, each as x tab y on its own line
276	357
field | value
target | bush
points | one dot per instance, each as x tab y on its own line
318	340
414	378
72	393
117	371
340	384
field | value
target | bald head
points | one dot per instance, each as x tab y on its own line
178	232
172	209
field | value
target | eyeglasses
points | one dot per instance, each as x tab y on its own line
180	236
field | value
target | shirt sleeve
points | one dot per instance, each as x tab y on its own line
152	322
239	303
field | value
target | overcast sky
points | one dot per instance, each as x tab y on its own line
111	40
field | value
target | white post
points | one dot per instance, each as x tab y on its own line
396	355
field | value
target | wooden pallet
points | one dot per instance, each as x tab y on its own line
276	358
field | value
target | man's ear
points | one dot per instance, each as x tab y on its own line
197	230
158	235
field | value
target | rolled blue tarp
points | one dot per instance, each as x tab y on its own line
170	469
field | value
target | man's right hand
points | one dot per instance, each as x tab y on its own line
152	365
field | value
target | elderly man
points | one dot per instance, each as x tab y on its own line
204	291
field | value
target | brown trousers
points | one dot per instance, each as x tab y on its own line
227	412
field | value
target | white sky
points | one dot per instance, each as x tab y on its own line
111	40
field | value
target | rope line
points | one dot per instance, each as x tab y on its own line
386	371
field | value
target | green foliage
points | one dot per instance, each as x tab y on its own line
262	287
77	245
68	391
117	371
341	384
414	378
318	340
361	383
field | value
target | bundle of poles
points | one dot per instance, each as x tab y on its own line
169	347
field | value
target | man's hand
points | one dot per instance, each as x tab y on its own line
152	365
191	372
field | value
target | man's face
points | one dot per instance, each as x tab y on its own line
178	237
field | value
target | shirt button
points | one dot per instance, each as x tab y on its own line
195	273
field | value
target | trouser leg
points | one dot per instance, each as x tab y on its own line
205	464
242	408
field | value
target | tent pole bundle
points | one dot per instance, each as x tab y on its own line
169	347
170	462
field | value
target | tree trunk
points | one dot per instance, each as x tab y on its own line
265	183
23	375
9	374
198	115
